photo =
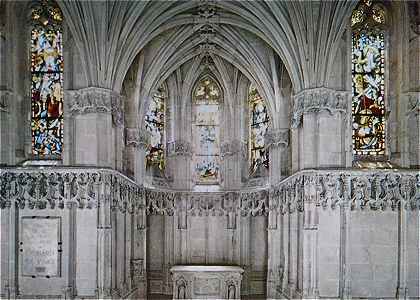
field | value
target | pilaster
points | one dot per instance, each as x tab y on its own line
277	141
136	141
413	128
179	161
319	124
94	120
233	155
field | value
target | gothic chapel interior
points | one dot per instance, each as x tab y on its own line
209	149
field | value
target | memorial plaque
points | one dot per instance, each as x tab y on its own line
40	245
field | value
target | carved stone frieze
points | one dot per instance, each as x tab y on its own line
277	138
232	148
138	138
413	103
317	100
96	100
179	147
4	95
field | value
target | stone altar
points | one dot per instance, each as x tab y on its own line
206	282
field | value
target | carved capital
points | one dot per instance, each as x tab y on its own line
96	100
413	103
179	147
232	148
317	100
277	138
138	138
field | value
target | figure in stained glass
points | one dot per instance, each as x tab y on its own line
47	79
206	98
368	70
155	124
259	123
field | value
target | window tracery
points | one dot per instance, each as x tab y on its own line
368	79
155	124
46	79
259	123
206	130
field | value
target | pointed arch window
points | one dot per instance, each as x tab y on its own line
258	126
46	80
206	130
368	79
155	124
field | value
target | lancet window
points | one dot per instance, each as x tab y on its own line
368	79
155	124
206	130
46	79
259	123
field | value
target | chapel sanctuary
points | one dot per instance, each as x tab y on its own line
209	149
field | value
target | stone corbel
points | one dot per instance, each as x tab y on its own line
317	100
96	100
137	138
277	138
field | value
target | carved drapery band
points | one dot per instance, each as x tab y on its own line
317	100
413	103
179	147
96	100
277	138
233	147
138	138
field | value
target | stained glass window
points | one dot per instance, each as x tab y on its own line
206	97
368	79
46	79
155	124
259	122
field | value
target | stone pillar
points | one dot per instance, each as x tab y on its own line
136	141
95	119
179	163
5	131
232	154
277	141
319	127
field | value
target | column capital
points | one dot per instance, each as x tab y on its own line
95	100
277	138
137	138
317	100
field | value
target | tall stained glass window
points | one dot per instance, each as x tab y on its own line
206	97
368	76
259	122
47	79
155	124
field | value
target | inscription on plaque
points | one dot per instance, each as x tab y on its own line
40	246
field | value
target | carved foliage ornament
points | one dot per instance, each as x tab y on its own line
317	100
277	138
179	147
137	138
413	106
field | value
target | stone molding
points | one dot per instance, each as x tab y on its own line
277	138
232	147
137	138
65	187
179	147
317	100
413	103
96	100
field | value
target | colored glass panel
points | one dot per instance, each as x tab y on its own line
368	81
46	80
155	124
206	134
259	123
